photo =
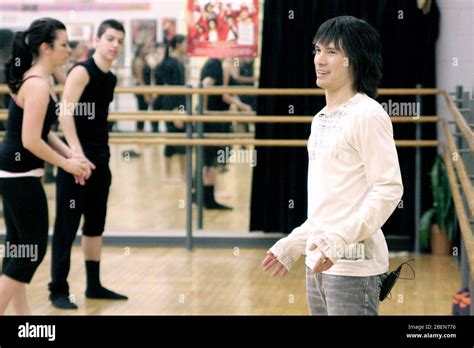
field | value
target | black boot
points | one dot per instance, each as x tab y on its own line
95	288
209	200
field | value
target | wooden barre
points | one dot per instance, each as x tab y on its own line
168	90
460	167
254	142
152	116
178	135
460	121
223	139
466	232
252	119
181	135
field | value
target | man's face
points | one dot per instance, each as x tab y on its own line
110	44
332	67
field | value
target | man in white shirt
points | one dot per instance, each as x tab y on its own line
354	180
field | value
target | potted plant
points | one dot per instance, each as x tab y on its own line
437	224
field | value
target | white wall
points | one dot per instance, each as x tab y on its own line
158	10
455	44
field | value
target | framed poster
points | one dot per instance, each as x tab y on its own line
143	32
222	29
168	27
82	32
120	60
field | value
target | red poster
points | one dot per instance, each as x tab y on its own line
222	29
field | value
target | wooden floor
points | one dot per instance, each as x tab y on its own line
207	281
227	282
140	200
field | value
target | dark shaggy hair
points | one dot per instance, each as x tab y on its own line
361	43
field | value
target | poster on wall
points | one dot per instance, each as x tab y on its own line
223	28
168	27
143	32
83	33
120	60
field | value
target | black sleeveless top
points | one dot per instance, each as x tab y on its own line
174	74
213	68
14	157
91	113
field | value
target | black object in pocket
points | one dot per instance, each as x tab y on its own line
389	280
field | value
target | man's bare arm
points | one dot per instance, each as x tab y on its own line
76	81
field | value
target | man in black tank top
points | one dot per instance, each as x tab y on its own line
88	91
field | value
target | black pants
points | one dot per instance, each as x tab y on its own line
211	153
73	201
156	105
171	150
142	106
25	210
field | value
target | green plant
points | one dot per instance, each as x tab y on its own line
442	212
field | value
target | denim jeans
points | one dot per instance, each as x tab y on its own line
342	295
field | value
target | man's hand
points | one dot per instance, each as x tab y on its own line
323	264
269	261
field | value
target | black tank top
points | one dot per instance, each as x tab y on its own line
14	157
91	114
213	68
174	74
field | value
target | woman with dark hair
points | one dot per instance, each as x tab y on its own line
174	74
138	67
28	141
354	180
153	75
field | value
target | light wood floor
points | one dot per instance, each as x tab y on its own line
227	282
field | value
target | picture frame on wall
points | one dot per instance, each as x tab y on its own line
168	28
82	32
142	31
221	29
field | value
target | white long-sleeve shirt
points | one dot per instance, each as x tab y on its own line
354	185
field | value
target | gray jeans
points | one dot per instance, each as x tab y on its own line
342	295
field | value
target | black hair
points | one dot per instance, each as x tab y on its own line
73	44
25	48
361	42
176	40
109	23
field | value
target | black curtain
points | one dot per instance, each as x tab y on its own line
279	202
